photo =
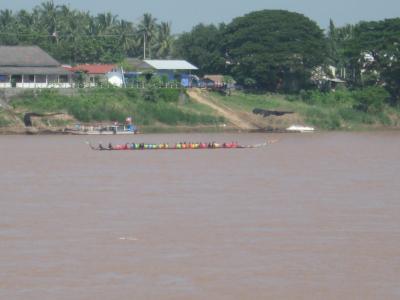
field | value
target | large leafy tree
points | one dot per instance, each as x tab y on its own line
203	47
374	52
274	49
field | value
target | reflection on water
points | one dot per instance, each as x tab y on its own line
311	217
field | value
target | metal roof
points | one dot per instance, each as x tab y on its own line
170	65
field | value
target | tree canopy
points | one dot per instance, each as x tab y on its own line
73	36
377	47
274	49
369	52
203	47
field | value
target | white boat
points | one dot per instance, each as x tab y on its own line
103	130
299	128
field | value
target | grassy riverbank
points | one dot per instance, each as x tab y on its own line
340	110
3	118
168	110
149	107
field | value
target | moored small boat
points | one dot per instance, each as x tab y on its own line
103	130
299	128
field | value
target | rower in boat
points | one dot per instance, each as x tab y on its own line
178	146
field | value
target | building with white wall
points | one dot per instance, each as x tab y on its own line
31	67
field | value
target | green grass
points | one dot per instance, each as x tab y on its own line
154	107
5	119
328	111
247	102
100	105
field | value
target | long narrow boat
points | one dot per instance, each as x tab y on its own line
176	146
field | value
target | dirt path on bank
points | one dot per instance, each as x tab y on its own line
226	112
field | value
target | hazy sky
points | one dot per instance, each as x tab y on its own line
184	14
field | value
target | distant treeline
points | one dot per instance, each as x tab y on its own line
273	50
281	51
74	36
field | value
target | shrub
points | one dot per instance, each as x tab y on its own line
316	97
370	99
149	93
351	115
322	119
156	80
292	98
169	95
131	93
384	119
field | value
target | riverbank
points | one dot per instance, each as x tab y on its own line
18	130
340	110
174	110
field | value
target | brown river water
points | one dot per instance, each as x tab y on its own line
314	216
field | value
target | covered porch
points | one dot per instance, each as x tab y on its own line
30	78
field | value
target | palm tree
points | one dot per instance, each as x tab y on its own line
36	22
344	36
8	28
6	17
105	22
164	40
25	19
48	14
127	37
147	30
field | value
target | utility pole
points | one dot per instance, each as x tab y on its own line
144	45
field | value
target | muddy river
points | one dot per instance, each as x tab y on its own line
314	216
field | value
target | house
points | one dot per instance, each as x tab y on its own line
214	80
133	64
100	72
217	81
31	67
171	69
326	77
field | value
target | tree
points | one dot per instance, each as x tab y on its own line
276	49
8	28
105	22
164	41
332	44
203	47
72	36
374	51
49	13
147	30
127	37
